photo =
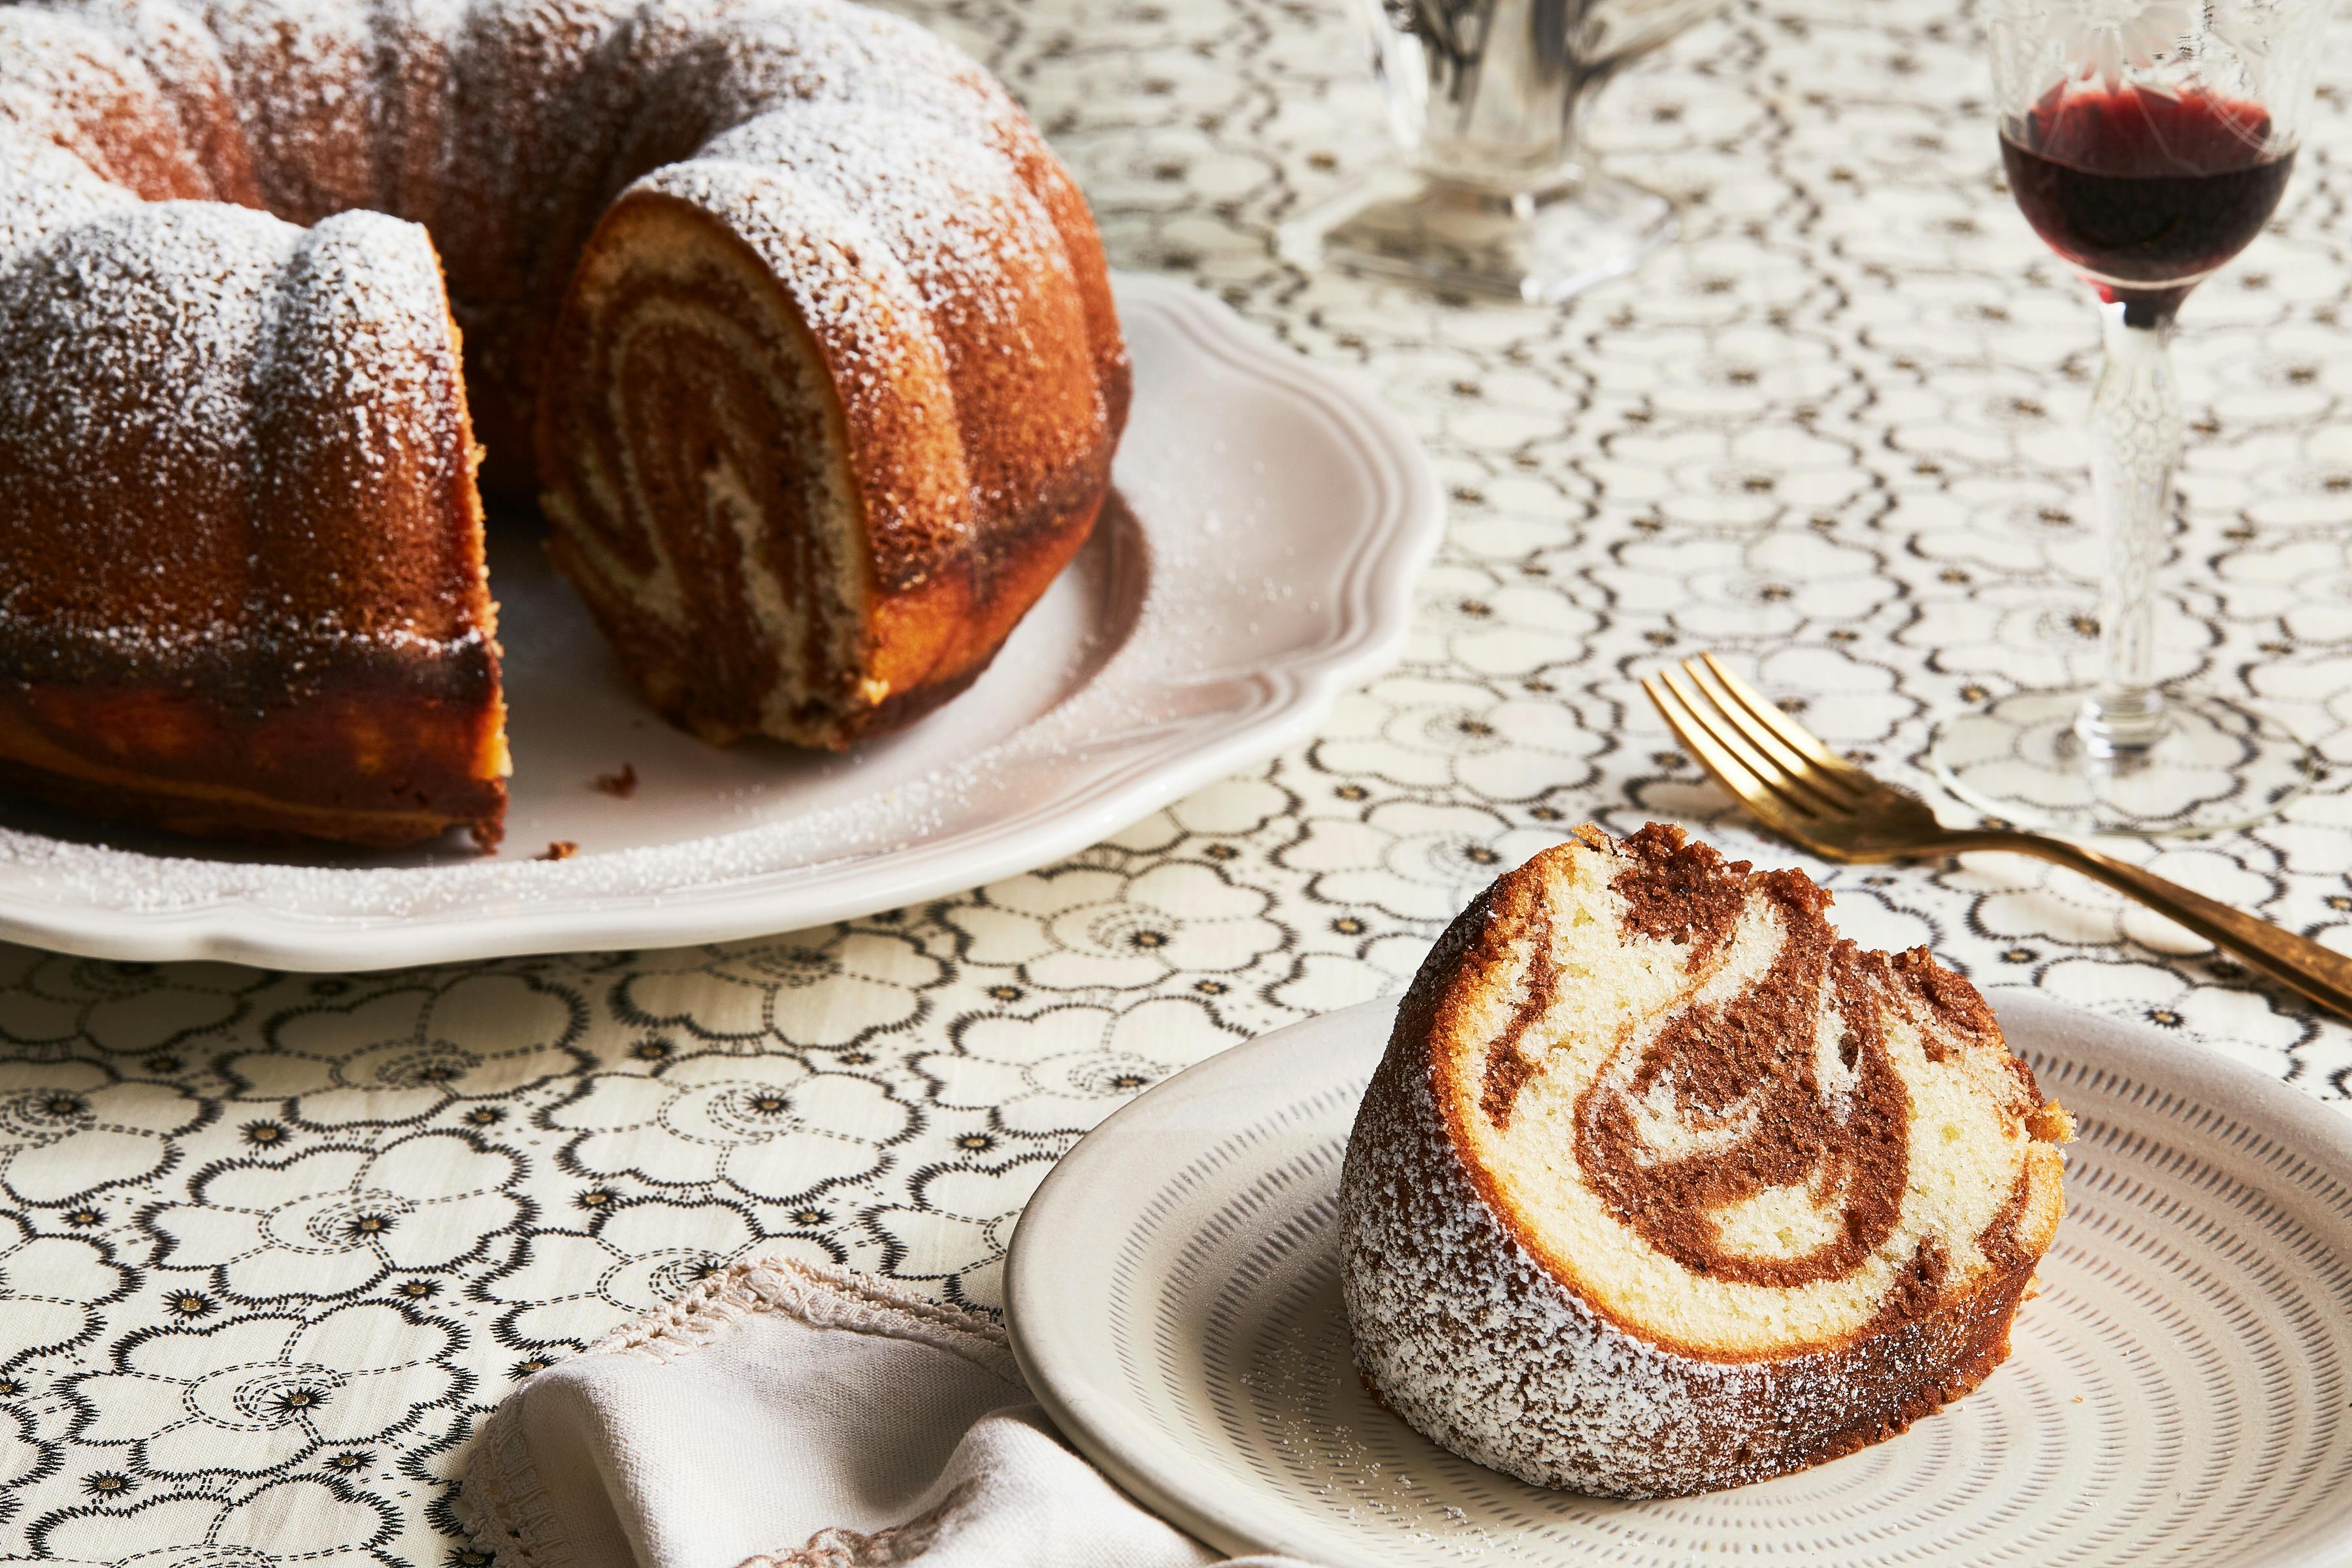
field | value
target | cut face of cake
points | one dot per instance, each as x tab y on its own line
1662	1186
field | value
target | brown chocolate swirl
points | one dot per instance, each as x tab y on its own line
1508	1068
1744	1076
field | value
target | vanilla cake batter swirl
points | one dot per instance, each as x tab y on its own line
1662	1186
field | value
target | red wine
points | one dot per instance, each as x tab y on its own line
2145	193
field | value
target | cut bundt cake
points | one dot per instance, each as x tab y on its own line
1661	1186
241	586
782	304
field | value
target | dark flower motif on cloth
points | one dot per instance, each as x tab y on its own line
303	1520
26	1459
1770	587
2030	635
1060	1071
2150	994
953	1237
2018	900
1230	808
570	1287
1085	929
819	990
1412	860
338	1220
68	1129
260	1394
1717	478
393	1056
1500	627
1428	733
62	1005
1323	982
771	1128
52	1288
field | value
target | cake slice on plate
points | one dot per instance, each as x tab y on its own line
1662	1186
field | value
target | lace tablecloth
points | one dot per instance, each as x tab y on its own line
273	1244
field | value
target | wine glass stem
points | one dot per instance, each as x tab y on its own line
2135	439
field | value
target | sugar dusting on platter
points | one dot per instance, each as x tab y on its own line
1198	634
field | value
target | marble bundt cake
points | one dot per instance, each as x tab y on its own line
802	332
1661	1187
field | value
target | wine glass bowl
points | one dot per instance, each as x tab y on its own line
1487	97
2148	142
2145	194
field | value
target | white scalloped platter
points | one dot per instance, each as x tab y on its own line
2179	1392
1273	518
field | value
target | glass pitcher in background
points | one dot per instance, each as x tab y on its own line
1487	95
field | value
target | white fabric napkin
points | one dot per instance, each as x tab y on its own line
784	1415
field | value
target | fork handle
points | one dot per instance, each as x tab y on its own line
2295	962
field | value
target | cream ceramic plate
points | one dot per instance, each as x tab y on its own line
1274	517
2181	1389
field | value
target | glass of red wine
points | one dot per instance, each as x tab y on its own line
2148	142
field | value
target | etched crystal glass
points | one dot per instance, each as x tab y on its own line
1487	97
2147	142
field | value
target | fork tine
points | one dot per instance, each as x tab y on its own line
1719	759
1700	706
1794	735
1835	792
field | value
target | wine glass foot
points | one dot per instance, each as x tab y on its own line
2219	766
1539	246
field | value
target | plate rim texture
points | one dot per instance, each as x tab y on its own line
1072	1230
1361	628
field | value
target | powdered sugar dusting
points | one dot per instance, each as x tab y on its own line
1077	729
206	400
361	334
840	274
213	362
44	190
949	209
1480	1345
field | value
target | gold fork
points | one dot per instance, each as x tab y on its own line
1807	793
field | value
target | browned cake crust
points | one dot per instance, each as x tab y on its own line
382	762
241	578
1511	1343
963	494
241	585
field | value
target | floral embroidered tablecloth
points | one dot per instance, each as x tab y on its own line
272	1245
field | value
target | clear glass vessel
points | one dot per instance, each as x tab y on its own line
2147	142
1487	97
